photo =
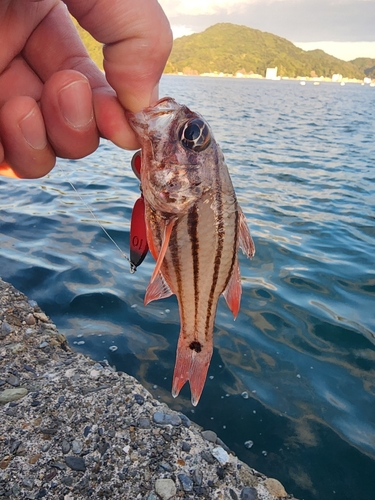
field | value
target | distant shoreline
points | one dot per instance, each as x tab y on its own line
305	79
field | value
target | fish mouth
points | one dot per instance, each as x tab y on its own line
153	118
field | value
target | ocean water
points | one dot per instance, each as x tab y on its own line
295	373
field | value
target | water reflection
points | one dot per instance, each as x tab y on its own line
302	347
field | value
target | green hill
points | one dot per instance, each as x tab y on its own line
229	48
366	65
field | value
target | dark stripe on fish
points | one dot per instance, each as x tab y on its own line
192	224
175	256
235	248
220	230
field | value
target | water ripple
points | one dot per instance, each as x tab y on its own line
303	345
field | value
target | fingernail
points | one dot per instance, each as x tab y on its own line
75	102
32	128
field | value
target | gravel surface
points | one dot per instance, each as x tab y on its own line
72	428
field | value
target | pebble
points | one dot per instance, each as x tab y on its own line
77	446
139	399
13	380
185	446
249	494
207	457
6	329
65	446
30	319
209	436
75	463
161	418
186	482
9	395
222	444
221	455
14	447
165	488
46	447
185	420
197	477
275	487
5	462
41	316
28	482
144	423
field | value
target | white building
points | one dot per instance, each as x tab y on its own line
271	74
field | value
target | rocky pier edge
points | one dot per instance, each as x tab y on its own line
72	428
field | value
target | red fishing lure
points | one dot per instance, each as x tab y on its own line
138	237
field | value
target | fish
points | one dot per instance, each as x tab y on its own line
194	228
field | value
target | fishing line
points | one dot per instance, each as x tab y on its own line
132	266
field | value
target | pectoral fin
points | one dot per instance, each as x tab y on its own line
157	289
233	290
246	241
169	223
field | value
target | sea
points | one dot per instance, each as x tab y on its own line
291	385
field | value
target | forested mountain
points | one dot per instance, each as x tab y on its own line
229	48
366	65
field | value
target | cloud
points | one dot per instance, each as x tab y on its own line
296	20
179	31
202	7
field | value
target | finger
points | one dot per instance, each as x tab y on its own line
67	109
23	136
48	54
19	79
138	41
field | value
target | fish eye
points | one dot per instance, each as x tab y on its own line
195	135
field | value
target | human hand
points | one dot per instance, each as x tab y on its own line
54	101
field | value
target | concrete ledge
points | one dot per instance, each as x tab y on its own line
72	428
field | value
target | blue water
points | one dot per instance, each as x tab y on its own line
302	160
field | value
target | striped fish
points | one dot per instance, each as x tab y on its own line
194	228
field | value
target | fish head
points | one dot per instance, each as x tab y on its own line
179	154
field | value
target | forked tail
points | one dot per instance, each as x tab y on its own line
192	362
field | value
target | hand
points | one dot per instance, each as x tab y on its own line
54	101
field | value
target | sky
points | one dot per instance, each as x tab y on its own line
342	28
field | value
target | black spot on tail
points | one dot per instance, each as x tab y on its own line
196	346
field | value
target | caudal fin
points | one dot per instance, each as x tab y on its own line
192	362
